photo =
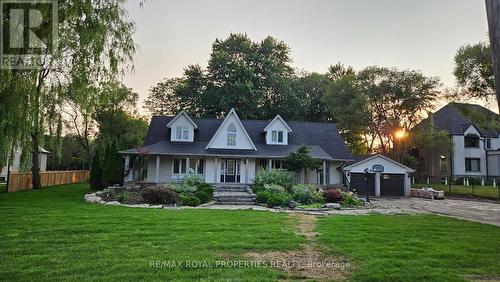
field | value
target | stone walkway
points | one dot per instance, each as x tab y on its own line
484	212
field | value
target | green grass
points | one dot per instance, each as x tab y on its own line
52	234
413	248
3	187
476	190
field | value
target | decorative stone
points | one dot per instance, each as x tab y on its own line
113	203
335	206
292	204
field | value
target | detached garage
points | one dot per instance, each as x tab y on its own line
385	177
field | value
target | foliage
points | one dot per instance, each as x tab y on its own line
396	100
306	193
203	196
474	71
113	166
277	177
302	160
96	173
275	200
183	188
163	98
191	201
261	197
348	106
333	196
159	196
205	187
351	201
274	189
192	180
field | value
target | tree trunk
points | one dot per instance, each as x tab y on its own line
35	135
492	12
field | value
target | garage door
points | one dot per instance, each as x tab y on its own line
358	183
392	185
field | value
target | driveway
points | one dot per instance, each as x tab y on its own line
485	212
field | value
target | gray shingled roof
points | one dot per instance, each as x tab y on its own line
323	139
451	119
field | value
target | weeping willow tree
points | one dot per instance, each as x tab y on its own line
94	45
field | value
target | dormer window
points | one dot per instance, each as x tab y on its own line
277	136
181	133
231	135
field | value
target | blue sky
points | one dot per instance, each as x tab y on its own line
422	34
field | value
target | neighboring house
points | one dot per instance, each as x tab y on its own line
475	151
393	181
16	162
231	150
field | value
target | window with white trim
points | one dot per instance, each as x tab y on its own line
181	133
182	166
231	135
276	136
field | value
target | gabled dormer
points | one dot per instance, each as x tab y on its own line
231	134
182	128
277	131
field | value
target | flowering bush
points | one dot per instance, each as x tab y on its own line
274	189
282	178
351	201
183	188
306	194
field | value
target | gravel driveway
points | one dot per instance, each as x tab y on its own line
485	212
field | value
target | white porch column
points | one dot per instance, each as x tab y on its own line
187	166
246	171
377	184
157	175
127	178
269	164
324	172
216	167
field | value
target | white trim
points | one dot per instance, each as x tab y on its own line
232	112
408	169
169	125
274	119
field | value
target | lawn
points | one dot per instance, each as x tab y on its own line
476	190
413	248
52	234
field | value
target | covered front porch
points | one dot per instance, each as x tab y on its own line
223	169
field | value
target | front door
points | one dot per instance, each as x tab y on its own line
230	171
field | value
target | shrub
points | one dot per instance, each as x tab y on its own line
203	196
306	194
282	178
262	197
183	188
351	200
287	199
205	187
159	195
274	189
191	201
275	200
192	180
333	196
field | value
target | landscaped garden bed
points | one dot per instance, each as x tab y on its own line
277	188
190	192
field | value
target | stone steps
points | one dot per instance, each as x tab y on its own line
234	195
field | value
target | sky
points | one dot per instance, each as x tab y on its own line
407	34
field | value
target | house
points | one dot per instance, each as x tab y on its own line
475	145
15	165
394	180
231	150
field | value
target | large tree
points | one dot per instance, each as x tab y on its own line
94	44
474	71
396	100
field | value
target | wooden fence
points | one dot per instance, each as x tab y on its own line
22	180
